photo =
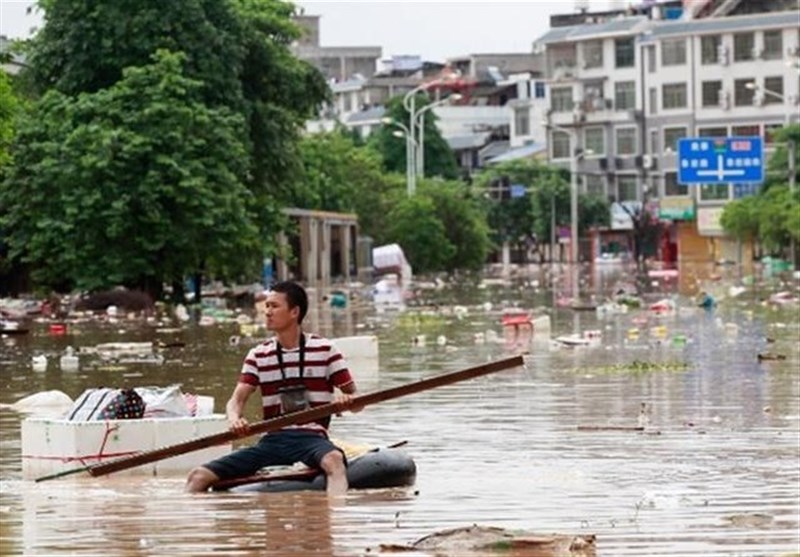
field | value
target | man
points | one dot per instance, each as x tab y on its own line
293	371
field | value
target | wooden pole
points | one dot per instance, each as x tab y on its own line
301	417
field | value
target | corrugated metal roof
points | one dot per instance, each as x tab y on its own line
724	24
375	113
621	26
471	141
519	153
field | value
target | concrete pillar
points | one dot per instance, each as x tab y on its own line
282	269
312	253
344	244
324	231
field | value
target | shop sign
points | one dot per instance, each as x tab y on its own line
708	221
676	208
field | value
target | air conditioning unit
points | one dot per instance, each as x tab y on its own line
584	65
635	114
619	163
724	100
758	53
793	51
578	115
723	55
758	98
603	163
646	161
794	99
599	104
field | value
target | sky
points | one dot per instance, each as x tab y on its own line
435	30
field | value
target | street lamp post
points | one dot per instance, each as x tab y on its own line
573	189
420	123
410	149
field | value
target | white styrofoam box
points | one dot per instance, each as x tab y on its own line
360	353
50	446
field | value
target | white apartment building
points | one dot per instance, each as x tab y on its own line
619	93
622	92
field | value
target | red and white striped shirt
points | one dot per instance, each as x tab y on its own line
323	369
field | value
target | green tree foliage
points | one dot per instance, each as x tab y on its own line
9	108
136	184
464	222
524	218
439	158
414	224
238	50
340	176
773	215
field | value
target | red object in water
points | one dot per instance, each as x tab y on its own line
58	329
516	319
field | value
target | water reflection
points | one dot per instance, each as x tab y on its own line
715	474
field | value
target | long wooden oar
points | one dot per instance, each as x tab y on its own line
300	417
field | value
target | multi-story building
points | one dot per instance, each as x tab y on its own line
621	91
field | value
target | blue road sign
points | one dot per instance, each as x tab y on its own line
718	160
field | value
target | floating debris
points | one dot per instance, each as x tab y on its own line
636	366
483	540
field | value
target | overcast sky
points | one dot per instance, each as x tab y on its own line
434	29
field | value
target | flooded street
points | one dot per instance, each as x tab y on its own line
551	447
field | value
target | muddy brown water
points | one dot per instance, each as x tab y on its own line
716	472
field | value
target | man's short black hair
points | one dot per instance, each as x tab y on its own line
295	295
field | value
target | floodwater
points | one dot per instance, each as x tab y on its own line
716	471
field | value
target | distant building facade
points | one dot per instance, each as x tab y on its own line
621	91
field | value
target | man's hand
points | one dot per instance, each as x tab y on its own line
345	401
240	426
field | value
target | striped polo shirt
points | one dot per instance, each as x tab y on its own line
324	368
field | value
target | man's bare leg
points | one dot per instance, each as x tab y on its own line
335	472
200	479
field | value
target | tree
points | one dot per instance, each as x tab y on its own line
237	50
547	196
136	184
9	108
414	224
773	215
464	223
439	158
340	176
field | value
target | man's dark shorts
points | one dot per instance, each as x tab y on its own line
281	448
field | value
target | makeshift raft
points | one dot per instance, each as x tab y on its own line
376	469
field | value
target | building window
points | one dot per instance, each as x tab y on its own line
651	59
625	95
522	121
745	131
654	141
673	52
595	141
560	145
711	91
709	49
561	99
672	187
743	44
624	54
626	141
673	95
593	54
773	90
769	133
538	89
714	192
773	45
712	132
596	185
348	103
671	137
626	188
743	95
653	91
